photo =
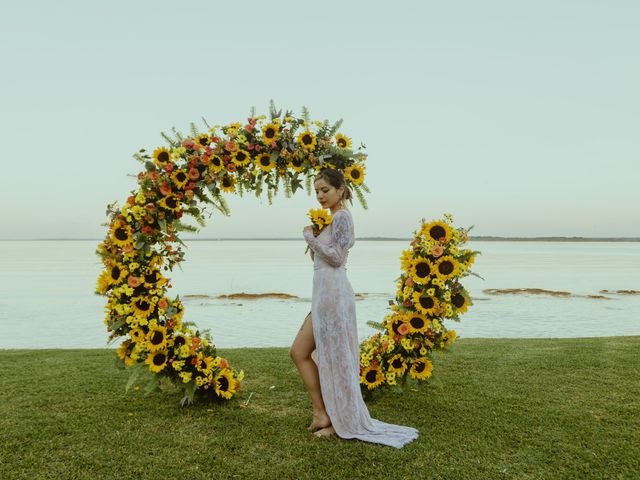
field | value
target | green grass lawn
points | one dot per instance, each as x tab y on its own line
525	409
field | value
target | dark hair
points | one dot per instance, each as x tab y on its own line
335	178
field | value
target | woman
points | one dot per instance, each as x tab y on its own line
330	329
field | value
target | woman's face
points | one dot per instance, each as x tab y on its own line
327	194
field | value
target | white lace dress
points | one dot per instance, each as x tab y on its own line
333	314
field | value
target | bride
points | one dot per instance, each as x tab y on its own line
330	329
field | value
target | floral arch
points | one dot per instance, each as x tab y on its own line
262	154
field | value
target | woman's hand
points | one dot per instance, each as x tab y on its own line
309	228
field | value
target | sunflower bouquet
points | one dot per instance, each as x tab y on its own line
320	218
263	153
428	292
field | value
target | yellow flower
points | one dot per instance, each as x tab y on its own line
372	377
170	202
156	338
228	184
296	164
354	174
157	360
178	365
185	376
240	157
204	363
161	156
270	133
343	141
122	235
425	304
216	164
142	306
421	269
438	231
418	323
203	140
264	162
421	368
224	384
446	267
307	140
180	177
232	129
137	335
460	302
124	352
319	217
397	364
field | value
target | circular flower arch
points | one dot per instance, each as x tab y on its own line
262	154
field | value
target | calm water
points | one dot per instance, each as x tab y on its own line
47	299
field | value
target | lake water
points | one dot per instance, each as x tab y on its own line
47	299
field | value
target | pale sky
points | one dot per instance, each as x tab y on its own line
520	118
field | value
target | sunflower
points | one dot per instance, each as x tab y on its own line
394	324
103	283
420	270
178	340
343	141
264	162
425	304
157	360
354	174
142	306
232	129
460	302
204	363
446	267
397	364
296	164
418	323
216	164
270	133
124	352
371	376
122	235
421	368
224	384
307	140
170	202
203	140
136	334
320	217
240	157
116	273
228	184
437	231
156	338
180	177
161	156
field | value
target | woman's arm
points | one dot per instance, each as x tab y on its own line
335	252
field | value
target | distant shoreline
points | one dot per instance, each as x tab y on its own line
479	238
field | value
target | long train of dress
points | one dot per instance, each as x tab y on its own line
333	313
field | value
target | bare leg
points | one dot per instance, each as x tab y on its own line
300	352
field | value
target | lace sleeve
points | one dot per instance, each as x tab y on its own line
335	252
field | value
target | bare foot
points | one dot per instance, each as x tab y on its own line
319	421
325	432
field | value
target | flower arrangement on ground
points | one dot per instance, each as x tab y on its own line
428	292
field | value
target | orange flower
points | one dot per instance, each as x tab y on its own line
231	146
403	329
437	250
134	282
224	363
165	189
163	304
194	174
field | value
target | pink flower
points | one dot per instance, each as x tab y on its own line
163	304
403	329
169	167
165	189
133	282
437	250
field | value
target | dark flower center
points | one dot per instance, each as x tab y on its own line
223	383
178	342
181	177
226	182
121	234
419	367
355	174
371	376
265	161
397	363
417	322
157	338
306	139
426	302
163	157
216	161
296	162
159	359
115	273
172	202
240	156
342	142
458	300
270	133
445	267
151	277
437	232
422	269
204	141
143	305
